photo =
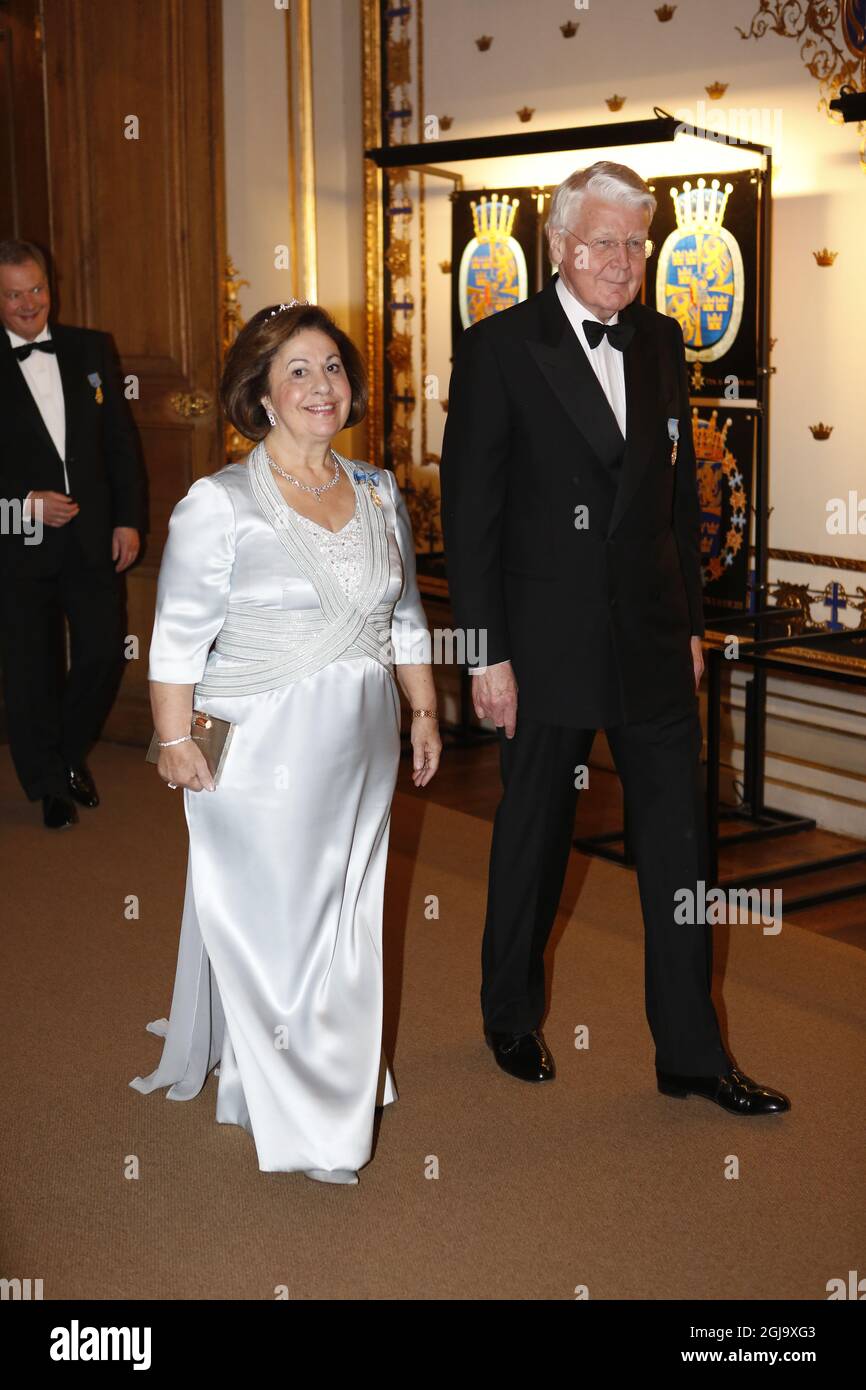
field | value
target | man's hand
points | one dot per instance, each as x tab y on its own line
697	660
57	508
494	695
124	546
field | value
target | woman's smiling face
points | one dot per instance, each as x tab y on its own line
308	388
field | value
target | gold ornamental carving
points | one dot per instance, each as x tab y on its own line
397	258
399	352
832	44
191	405
236	446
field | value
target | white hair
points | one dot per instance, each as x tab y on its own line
614	183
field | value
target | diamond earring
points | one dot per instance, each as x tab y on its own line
272	419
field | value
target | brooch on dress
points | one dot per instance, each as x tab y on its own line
370	476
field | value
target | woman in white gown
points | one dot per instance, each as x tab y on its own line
301	565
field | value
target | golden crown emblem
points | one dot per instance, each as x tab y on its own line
825	257
494	220
821	431
701	209
709	439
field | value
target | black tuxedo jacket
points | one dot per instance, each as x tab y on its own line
106	477
596	620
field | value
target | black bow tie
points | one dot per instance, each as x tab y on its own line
619	335
24	351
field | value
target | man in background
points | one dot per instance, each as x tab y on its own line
72	487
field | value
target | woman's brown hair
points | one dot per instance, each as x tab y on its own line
248	364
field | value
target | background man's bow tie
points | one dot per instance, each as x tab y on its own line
619	335
24	351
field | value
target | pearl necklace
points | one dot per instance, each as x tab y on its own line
305	487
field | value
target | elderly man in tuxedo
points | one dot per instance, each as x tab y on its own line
73	493
570	516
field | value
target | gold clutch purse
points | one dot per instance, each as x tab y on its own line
213	737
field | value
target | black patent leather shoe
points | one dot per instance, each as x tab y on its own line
734	1091
57	812
81	786
523	1055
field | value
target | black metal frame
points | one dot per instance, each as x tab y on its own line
766	822
602	845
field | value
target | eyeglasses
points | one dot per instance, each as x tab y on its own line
603	247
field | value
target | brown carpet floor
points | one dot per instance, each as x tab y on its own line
596	1180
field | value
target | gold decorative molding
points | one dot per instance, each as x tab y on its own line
371	90
307	151
397	257
824	30
236	445
294	254
399	353
805	557
232	321
191	404
788	595
809	656
396	281
399	54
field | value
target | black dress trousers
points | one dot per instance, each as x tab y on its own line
659	765
53	716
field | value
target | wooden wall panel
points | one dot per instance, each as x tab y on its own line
138	238
23	161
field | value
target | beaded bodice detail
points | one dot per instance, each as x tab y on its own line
271	647
343	549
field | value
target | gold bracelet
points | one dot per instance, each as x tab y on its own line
424	714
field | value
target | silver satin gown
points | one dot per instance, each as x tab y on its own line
279	972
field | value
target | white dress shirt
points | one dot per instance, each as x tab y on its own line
41	371
606	361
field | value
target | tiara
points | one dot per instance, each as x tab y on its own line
291	304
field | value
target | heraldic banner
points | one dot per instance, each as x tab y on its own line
495	241
704	273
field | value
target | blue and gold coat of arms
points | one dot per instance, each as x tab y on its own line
493	273
722	493
700	280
